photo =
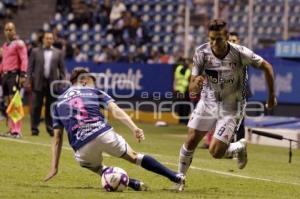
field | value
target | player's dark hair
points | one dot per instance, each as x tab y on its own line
217	25
77	72
234	34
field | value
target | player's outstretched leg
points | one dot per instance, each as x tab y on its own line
151	164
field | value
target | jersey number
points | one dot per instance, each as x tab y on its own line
78	106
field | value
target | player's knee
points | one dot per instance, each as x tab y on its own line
132	157
95	169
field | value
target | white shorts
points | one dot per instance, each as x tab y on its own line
90	155
212	115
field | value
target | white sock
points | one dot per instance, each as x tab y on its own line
185	159
233	148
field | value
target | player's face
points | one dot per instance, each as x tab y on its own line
218	41
234	39
86	80
10	31
48	40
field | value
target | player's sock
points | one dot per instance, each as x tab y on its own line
233	148
185	159
150	164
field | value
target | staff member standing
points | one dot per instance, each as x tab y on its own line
13	71
46	64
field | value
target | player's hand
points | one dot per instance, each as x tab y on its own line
198	82
50	175
271	103
139	134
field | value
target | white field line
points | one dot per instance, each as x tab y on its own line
168	163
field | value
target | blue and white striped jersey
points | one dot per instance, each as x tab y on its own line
225	78
78	111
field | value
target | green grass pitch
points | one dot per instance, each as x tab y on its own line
24	163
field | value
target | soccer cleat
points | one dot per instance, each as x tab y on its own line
16	135
242	154
143	187
179	185
11	135
139	186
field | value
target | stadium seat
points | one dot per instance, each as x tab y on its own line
134	8
169	29
121	49
157	8
97	48
169	18
59	27
155	39
170	8
157	18
72	37
84	28
146	8
97	28
145	18
132	48
46	26
109	38
97	37
85	48
57	17
157	28
72	27
70	17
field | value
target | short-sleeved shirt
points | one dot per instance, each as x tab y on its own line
226	78
78	111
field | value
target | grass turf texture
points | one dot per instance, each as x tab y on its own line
24	164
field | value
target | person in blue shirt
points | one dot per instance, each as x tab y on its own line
78	111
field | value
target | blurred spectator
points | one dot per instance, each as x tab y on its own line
82	13
46	65
164	58
63	6
104	56
79	56
102	12
141	36
141	56
58	39
154	57
118	8
181	93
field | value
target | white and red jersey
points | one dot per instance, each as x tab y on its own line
225	78
14	56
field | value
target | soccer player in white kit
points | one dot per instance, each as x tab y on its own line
219	73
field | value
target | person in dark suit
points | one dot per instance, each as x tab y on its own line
46	64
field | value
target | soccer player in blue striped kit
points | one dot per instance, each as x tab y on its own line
78	111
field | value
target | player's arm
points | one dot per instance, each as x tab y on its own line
121	115
23	56
269	75
57	142
197	78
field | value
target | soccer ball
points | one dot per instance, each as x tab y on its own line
114	179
